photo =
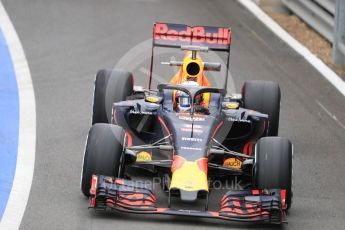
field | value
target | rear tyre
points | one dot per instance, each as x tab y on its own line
103	151
110	86
273	165
264	97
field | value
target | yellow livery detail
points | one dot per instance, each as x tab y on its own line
152	99
232	105
144	156
189	177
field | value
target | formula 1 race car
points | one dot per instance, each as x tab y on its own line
189	134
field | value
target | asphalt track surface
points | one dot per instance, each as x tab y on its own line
66	42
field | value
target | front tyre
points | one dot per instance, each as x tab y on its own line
273	165
103	151
110	86
264	97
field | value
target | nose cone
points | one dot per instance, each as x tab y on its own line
189	177
188	196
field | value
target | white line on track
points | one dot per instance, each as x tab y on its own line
326	72
19	195
330	114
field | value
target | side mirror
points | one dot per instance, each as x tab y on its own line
138	89
130	156
166	147
217	152
138	93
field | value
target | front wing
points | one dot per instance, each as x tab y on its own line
134	197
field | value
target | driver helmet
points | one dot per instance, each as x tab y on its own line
183	99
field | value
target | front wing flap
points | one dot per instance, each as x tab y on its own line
136	197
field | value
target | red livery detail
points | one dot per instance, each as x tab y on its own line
177	163
283	196
129	139
93	185
203	164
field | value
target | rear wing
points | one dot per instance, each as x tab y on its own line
177	35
